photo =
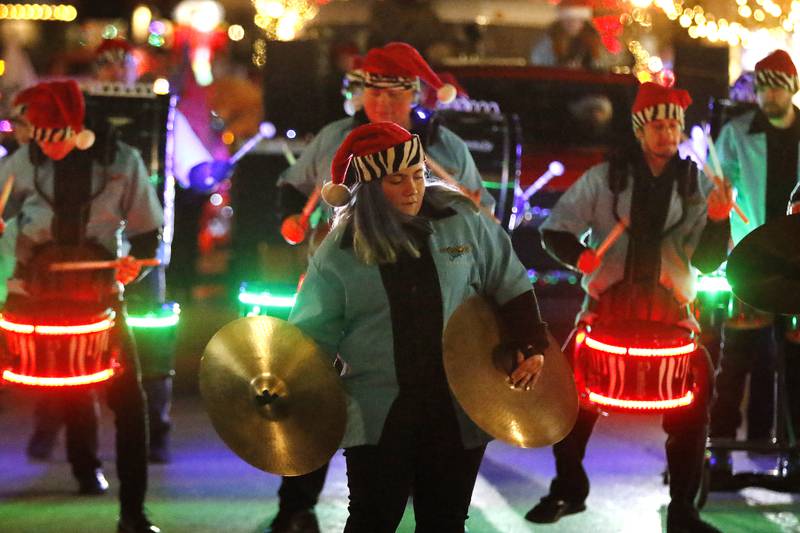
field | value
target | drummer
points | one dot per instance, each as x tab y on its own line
758	152
387	87
403	253
677	222
61	195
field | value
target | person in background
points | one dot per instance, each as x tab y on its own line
571	41
758	152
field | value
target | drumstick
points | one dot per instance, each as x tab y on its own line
288	154
6	192
311	204
712	152
98	265
608	242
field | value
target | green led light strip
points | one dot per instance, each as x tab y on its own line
495	185
266	299
713	284
165	318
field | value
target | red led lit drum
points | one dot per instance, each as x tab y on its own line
634	366
58	344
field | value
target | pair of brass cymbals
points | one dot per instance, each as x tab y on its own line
277	402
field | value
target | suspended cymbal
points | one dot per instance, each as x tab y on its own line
764	268
477	368
272	396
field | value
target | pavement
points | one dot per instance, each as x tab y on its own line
206	488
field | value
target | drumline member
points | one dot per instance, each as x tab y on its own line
113	62
386	84
403	253
89	196
391	79
677	223
758	152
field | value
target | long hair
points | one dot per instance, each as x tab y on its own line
381	232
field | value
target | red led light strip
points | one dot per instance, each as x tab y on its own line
640	352
644	405
77	329
37	381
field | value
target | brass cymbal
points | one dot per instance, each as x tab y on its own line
477	368
272	395
764	268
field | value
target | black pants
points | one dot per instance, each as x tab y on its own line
158	391
125	398
420	453
301	493
81	441
753	351
686	430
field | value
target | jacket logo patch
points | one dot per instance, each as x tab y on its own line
456	251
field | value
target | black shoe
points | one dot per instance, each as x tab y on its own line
720	469
551	509
136	524
93	483
688	523
297	522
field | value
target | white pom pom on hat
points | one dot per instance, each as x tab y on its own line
336	194
84	140
446	93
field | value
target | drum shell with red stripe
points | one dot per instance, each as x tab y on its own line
57	343
635	366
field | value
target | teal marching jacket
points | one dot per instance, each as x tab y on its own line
343	306
743	156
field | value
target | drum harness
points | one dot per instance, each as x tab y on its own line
620	166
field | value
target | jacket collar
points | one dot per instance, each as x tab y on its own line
760	123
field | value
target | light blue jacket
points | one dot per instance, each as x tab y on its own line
743	156
128	203
314	165
586	209
343	306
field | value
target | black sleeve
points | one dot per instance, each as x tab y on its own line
290	201
144	246
562	246
525	328
712	249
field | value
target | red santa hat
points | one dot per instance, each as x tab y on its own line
56	111
777	70
399	65
656	102
375	150
112	51
575	9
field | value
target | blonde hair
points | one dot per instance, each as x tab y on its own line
381	232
